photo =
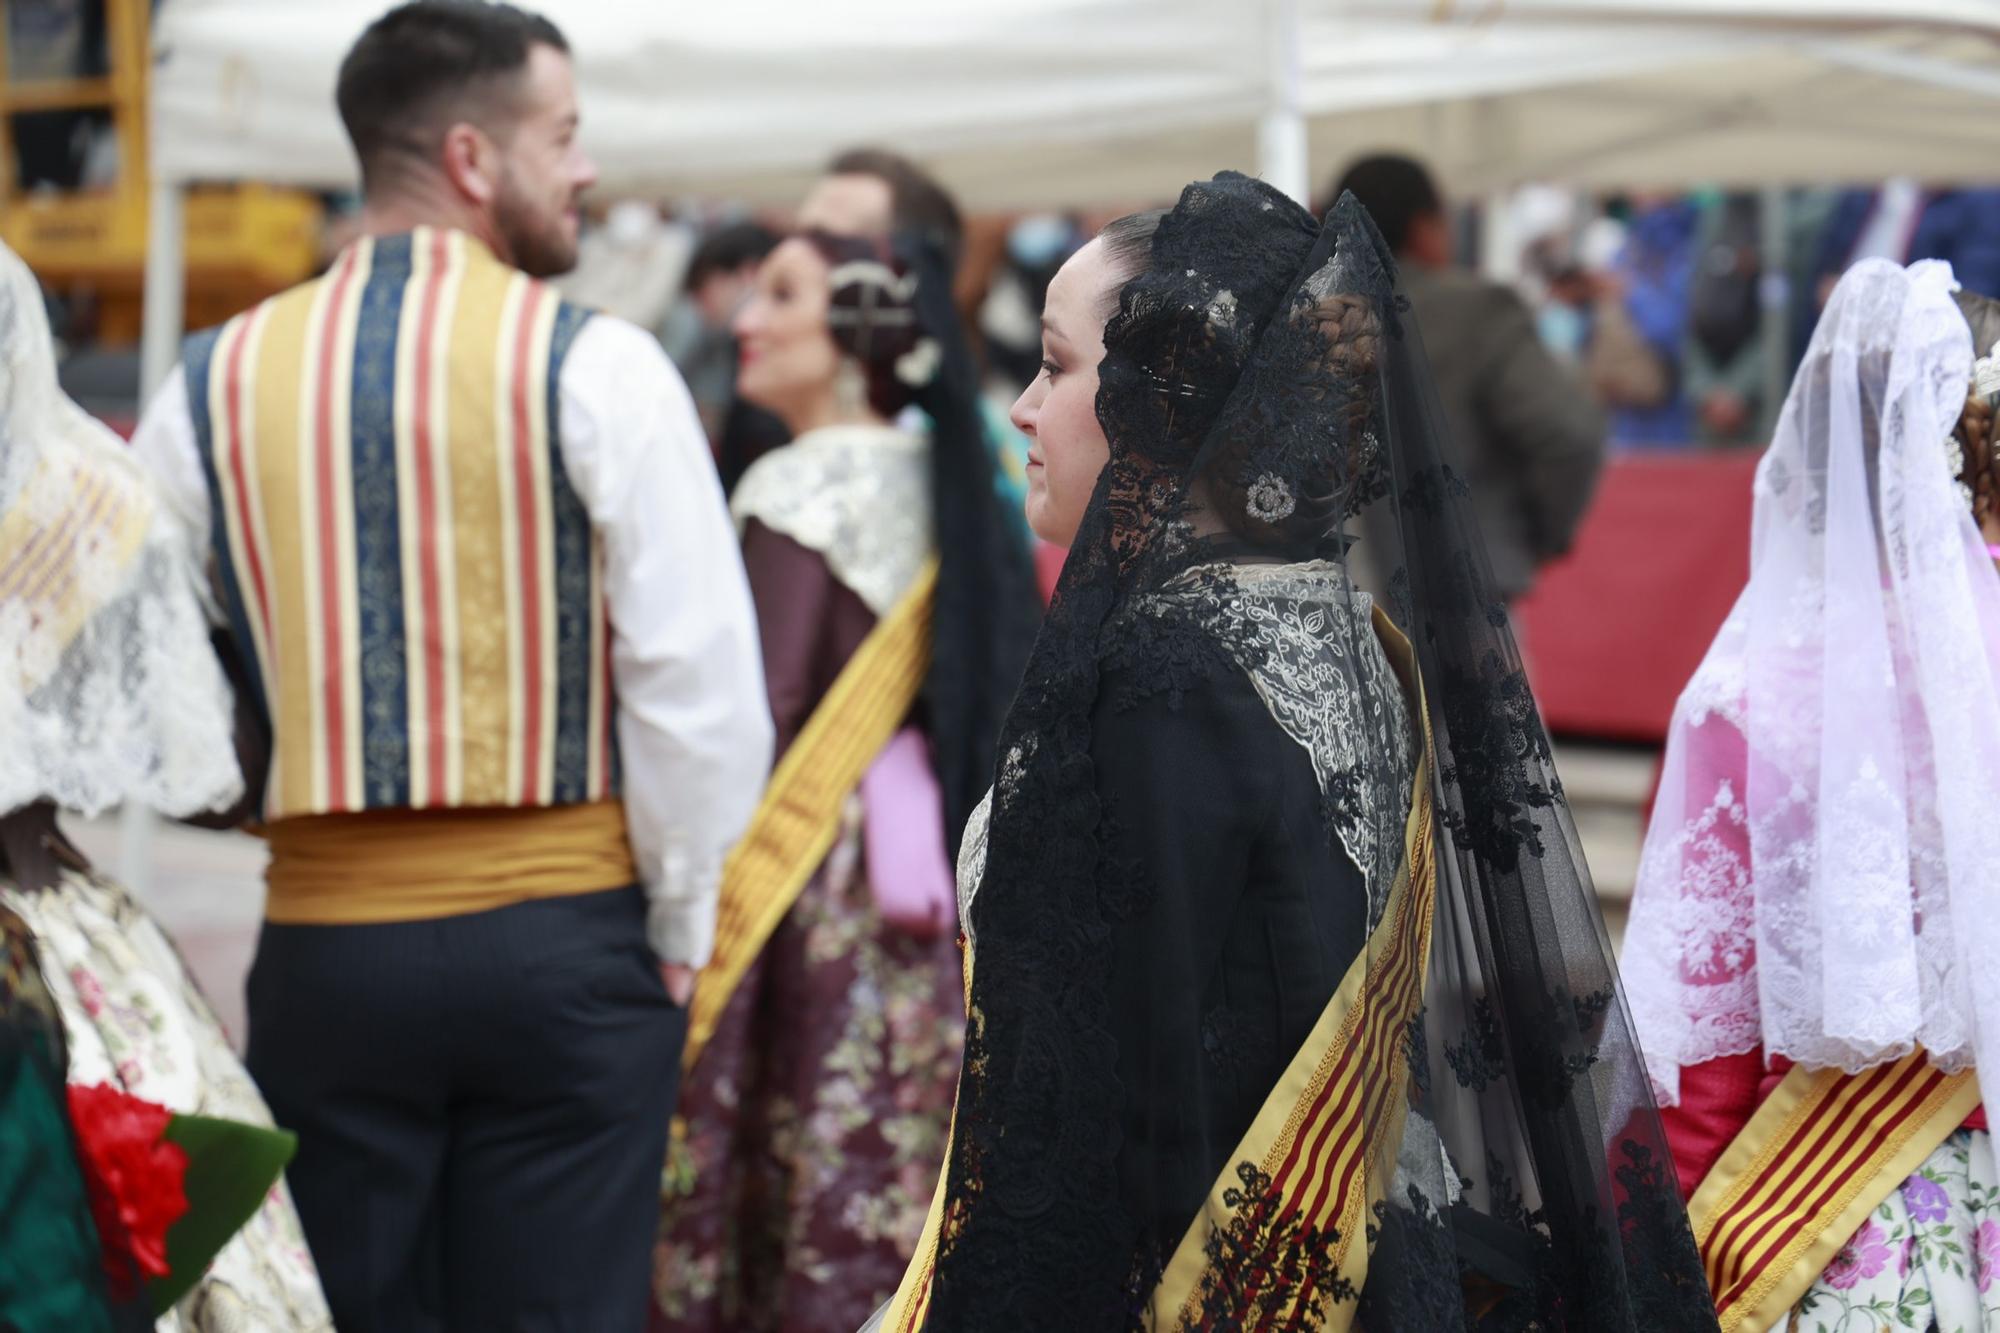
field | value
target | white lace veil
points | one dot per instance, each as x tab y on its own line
1822	873
109	691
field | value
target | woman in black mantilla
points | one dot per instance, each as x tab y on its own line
1291	1005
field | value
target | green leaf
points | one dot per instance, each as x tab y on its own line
231	1168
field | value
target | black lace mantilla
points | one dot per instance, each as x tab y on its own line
1268	405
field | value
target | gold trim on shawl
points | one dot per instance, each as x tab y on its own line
796	823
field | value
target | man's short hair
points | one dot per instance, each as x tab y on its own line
1396	191
426	64
916	201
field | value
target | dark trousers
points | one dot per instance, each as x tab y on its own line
481	1104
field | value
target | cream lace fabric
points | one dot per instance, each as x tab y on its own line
108	689
1822	874
858	495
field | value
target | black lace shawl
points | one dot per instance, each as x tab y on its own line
1263	393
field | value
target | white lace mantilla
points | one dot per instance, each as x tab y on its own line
109	691
858	495
1818	878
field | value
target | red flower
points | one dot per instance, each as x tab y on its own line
137	1181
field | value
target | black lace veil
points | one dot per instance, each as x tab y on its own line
1266	399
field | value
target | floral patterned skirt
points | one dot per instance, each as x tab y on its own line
808	1142
133	1019
1928	1259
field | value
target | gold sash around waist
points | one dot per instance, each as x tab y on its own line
797	821
416	865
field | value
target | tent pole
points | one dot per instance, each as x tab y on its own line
166	286
1282	158
159	348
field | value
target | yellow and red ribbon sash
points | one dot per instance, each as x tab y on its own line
1327	1135
1822	1153
796	823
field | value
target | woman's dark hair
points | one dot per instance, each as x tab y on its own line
426	64
872	311
891	310
1128	244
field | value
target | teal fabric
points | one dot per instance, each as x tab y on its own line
51	1277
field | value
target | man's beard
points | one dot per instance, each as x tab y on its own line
541	244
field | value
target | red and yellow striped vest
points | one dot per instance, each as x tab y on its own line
399	547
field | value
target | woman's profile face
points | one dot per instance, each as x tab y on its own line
788	359
1058	411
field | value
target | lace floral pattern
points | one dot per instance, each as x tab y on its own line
1303	636
108	689
1811	880
858	495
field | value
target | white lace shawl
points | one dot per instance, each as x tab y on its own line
1822	871
108	689
858	495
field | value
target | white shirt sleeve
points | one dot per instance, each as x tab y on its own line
166	448
694	726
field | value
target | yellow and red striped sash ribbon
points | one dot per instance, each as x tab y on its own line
797	821
1330	1118
1327	1133
1821	1153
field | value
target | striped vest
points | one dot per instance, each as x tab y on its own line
397	538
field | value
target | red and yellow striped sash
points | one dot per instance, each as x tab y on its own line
1322	1148
797	821
1821	1153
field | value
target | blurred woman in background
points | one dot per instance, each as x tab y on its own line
825	1037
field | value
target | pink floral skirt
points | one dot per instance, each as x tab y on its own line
1929	1257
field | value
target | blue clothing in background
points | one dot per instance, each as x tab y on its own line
1657	268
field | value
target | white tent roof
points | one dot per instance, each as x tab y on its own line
1033	102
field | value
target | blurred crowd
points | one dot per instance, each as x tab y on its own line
1687	314
1660	304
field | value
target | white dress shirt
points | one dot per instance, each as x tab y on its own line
694	726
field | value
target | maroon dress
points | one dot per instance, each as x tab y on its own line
809	1137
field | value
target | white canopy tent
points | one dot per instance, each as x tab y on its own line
1036	102
1057	102
1051	102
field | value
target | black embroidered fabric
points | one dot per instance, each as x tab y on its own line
1266	398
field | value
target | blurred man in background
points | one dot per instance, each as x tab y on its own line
1528	435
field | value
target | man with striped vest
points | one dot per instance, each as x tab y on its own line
471	541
